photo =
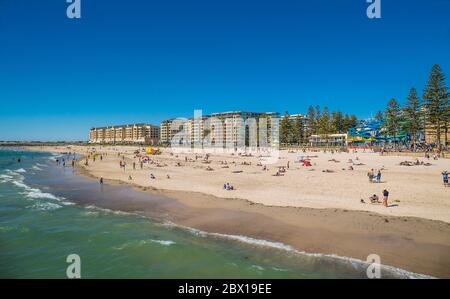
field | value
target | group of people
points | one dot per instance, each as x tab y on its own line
375	199
374	177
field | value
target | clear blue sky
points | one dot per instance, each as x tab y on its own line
144	60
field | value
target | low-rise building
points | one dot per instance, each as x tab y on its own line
329	140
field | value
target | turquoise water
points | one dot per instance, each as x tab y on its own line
42	221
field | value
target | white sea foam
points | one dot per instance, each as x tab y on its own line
35	167
20	184
163	242
16	179
36	193
6	177
45	206
108	211
259	268
357	263
90	214
139	243
280	269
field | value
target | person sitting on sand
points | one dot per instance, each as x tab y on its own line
374	199
130	178
152	176
228	187
168	176
445	178
370	175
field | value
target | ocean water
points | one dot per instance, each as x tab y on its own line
46	213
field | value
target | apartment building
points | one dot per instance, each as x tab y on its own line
131	133
224	129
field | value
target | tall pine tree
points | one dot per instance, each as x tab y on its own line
285	129
413	120
311	121
436	103
392	118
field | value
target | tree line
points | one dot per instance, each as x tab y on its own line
297	129
430	112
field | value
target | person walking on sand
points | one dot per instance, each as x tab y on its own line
385	197
445	178
101	181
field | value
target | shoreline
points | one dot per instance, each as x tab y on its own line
415	244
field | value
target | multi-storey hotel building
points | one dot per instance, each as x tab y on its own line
132	133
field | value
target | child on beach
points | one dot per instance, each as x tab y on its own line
374	199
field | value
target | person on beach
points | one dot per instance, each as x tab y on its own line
385	197
374	199
134	165
445	178
379	176
101	181
370	175
152	176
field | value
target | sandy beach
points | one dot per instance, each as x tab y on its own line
315	209
415	191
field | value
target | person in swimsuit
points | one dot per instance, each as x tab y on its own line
385	197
